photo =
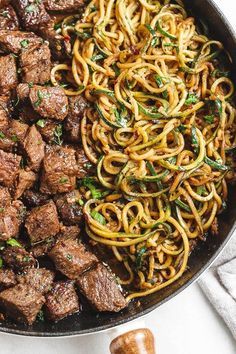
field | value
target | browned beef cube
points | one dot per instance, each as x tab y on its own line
28	115
8	19
7	278
40	279
59	170
10	165
61	301
69	209
34	199
10	220
77	107
43	248
69	232
22	303
34	147
5	197
49	102
84	165
14	41
31	13
6	144
60	47
35	63
42	222
22	91
4	3
101	290
8	74
25	181
48	129
4	114
71	258
63	6
13	134
17	129
17	258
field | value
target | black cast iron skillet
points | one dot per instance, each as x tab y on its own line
201	258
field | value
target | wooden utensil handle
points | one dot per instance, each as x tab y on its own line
138	341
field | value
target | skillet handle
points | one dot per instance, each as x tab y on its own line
138	341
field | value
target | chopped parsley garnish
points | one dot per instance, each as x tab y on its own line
5	13
209	118
31	8
2	135
63	180
14	138
2	210
98	217
69	257
191	99
58	135
13	242
41	123
80	202
89	182
40	316
24	43
1	262
26	259
41	95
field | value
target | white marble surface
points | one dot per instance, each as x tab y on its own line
185	325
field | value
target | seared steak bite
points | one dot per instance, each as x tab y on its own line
25	181
77	107
10	220
48	129
8	74
15	41
69	208
32	14
17	131
43	248
8	19
4	3
10	165
5	197
61	301
100	288
35	63
84	165
49	102
18	258
40	279
28	115
22	303
7	278
72	258
4	114
63	6
42	222
59	170
34	147
60	47
33	199
22	91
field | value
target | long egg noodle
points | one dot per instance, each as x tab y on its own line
160	131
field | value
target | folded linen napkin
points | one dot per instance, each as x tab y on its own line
219	285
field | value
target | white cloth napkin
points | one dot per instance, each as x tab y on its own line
219	285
